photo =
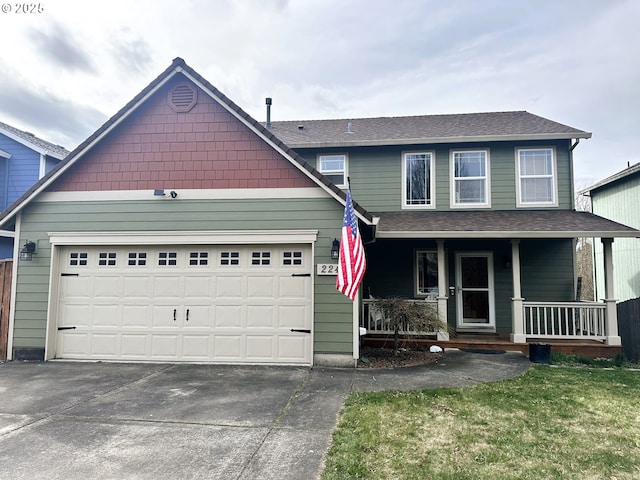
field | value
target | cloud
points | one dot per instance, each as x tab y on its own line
60	47
131	54
53	118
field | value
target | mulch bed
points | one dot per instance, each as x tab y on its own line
380	357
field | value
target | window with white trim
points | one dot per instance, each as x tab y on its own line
334	167
418	186
536	172
470	176
426	273
78	259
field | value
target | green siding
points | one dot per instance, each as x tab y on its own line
548	270
333	311
618	201
376	172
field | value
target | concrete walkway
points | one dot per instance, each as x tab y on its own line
77	420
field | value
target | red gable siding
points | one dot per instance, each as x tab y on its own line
205	148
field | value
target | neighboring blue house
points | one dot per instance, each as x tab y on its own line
24	159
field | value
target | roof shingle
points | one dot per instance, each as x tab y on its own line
52	149
468	127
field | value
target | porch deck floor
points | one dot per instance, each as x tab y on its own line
585	348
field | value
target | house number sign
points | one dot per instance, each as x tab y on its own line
327	269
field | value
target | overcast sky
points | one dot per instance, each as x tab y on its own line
66	70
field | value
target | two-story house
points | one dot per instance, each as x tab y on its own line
24	159
185	230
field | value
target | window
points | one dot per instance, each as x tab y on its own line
426	273
292	258
229	258
106	259
470	178
78	259
167	259
418	180
260	258
536	177
137	258
334	167
198	258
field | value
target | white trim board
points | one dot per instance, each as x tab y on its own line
185	194
239	237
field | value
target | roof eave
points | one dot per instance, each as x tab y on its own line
436	140
508	234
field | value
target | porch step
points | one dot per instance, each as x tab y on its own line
588	349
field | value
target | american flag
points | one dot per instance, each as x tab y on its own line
351	263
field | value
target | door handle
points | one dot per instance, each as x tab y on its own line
174	314
187	314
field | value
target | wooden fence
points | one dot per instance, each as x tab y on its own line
629	328
6	267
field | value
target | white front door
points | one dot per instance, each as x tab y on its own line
474	291
200	303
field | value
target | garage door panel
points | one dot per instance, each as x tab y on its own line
164	346
229	316
261	347
230	287
293	287
107	287
228	347
134	346
197	347
292	316
75	345
135	316
261	287
294	348
140	287
229	304
105	315
105	345
260	316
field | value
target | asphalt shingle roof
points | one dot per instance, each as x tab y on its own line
54	150
518	125
528	223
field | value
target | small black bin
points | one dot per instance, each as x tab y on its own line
540	352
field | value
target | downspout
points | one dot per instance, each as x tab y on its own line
5	194
574	243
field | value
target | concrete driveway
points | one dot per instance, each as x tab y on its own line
73	420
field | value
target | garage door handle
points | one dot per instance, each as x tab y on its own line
300	330
300	274
66	328
187	314
174	314
69	274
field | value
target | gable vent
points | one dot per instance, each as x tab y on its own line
182	97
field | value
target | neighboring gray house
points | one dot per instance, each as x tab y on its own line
185	230
618	198
24	159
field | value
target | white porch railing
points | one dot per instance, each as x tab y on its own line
565	320
372	319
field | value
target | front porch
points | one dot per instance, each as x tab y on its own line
573	328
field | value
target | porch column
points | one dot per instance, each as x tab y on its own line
517	327
442	289
611	310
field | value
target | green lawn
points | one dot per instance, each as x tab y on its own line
567	422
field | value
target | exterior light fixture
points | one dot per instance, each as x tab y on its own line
173	194
335	249
27	251
507	261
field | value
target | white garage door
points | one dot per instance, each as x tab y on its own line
235	304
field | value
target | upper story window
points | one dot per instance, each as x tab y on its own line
418	185
536	172
470	178
334	167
